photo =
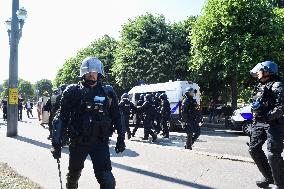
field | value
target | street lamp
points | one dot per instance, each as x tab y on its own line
14	27
22	16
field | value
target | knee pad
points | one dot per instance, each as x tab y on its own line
106	180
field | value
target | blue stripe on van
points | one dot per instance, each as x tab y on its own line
174	109
247	116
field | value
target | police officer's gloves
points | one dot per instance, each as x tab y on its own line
120	145
56	152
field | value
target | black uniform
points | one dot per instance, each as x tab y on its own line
148	110
127	108
89	113
139	117
165	116
52	105
268	125
4	108
158	116
191	117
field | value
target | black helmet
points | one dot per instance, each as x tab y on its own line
148	97
163	96
61	88
189	89
125	96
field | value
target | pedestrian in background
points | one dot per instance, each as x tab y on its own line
211	110
29	107
20	109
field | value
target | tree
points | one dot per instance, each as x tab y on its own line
5	89
43	85
151	50
102	48
26	89
229	38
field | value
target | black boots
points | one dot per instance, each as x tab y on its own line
72	180
264	183
188	144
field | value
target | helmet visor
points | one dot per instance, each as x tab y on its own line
256	69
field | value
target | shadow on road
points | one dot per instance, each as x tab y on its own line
124	167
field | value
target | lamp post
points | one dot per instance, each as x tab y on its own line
14	27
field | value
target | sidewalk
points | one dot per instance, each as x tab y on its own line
139	167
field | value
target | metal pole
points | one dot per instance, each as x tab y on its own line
12	120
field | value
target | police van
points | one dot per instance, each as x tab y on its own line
175	91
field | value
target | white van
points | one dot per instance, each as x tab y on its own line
173	89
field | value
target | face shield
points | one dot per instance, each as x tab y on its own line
256	69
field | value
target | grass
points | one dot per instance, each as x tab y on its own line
9	179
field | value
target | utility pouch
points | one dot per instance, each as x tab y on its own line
102	128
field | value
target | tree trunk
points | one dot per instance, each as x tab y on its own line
234	90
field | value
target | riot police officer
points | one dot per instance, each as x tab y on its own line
148	110
268	111
157	102
88	111
191	117
127	108
165	112
138	114
52	105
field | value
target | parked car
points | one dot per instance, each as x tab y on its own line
242	119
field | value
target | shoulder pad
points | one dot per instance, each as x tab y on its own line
277	85
108	89
71	89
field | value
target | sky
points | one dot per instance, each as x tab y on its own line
56	29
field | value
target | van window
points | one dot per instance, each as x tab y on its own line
172	96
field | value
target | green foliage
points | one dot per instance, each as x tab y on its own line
4	92
43	85
229	39
26	89
151	50
102	48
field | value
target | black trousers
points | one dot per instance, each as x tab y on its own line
138	123
4	113
29	111
192	129
147	123
100	156
126	124
271	166
157	126
165	127
20	114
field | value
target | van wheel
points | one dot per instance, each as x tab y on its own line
247	128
